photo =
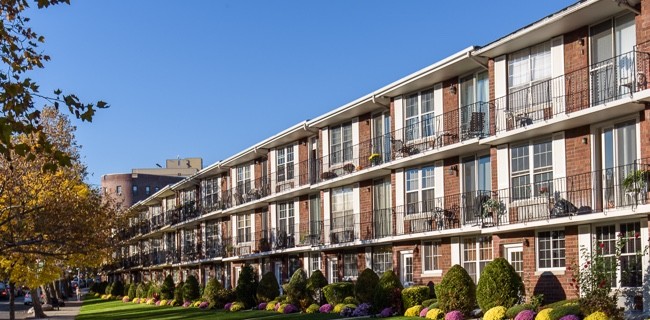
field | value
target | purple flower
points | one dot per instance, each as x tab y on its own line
387	312
525	315
262	306
158	302
227	306
454	315
204	305
326	308
570	317
362	310
187	304
290	308
423	313
347	312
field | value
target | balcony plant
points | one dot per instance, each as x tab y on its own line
492	207
636	181
374	159
349	167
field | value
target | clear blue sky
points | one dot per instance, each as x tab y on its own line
211	78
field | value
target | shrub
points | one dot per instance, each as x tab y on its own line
414	295
499	285
456	291
570	317
227	306
338	308
434	306
495	313
454	315
108	288
136	300
364	289
126	289
598	315
191	289
413	311
164	302
386	312
347	311
326	308
362	310
313	308
211	292
281	308
236	306
167	288
187	304
132	290
336	292
428	302
290	308
525	315
435	314
423	313
389	292
139	291
544	314
297	291
513	311
564	310
268	288
605	304
350	300
316	283
125	299
246	286
270	306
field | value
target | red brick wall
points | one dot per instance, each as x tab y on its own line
452	182
578	154
494	167
364	147
645	134
365	203
392	114
303	160
303	211
493	111
643	26
576	57
451	119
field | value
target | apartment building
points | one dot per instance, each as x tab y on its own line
523	148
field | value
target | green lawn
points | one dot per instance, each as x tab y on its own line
97	309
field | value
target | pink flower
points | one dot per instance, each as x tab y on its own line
602	245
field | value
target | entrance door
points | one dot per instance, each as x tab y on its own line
515	255
315	222
618	154
381	137
333	271
313	161
382	215
406	268
278	274
477	179
474	97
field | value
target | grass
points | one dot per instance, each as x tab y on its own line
97	309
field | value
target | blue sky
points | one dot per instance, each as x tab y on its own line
211	78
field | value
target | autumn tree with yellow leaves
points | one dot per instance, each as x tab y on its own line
51	220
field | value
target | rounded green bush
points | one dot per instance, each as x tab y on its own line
514	310
350	300
428	302
178	292
499	285
268	288
456	291
211	292
563	310
313	308
496	313
389	292
236	306
246	286
127	286
167	288
191	289
414	296
364	289
297	291
316	283
117	288
335	293
132	291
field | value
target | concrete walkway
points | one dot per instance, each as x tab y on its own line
69	312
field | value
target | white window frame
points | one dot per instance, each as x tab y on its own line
210	192
342	206
643	234
189	238
519	190
479	245
285	164
417	100
552	250
435	248
418	181
244	184
244	227
286	217
349	260
382	259
315	261
338	147
531	74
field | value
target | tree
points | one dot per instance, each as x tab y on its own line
316	283
44	214
456	291
211	292
364	289
268	288
167	289
246	286
19	93
297	292
500	285
191	289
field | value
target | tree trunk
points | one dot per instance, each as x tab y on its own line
68	288
38	310
12	298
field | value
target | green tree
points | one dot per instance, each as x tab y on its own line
499	285
297	292
132	289
246	286
456	291
212	292
389	292
191	289
268	288
316	283
167	288
364	289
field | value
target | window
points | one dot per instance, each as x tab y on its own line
118	190
350	269
525	169
243	179
342	212
341	143
188	243
431	255
156	188
243	228
314	259
477	252
629	272
210	193
551	250
211	238
147	190
382	260
285	164
420	190
419	115
285	219
527	69
135	190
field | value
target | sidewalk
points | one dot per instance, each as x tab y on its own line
69	312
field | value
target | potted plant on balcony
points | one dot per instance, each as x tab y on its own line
493	208
636	182
374	159
349	168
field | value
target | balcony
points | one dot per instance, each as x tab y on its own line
246	192
191	252
172	256
547	106
436	136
